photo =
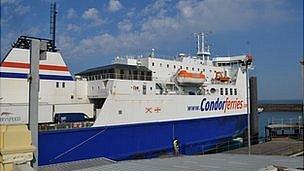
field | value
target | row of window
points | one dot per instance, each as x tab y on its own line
181	67
227	91
58	84
228	64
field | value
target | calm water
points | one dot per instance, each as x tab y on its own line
267	117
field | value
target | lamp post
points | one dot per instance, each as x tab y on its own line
302	69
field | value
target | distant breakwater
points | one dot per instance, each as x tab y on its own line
281	107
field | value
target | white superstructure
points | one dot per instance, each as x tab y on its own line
131	90
58	92
152	89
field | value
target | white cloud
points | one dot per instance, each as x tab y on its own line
73	27
8	2
114	5
71	13
92	15
65	42
131	13
158	8
160	29
125	25
13	7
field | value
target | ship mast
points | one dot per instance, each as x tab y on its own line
53	22
203	50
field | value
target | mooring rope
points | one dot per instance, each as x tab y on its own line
78	145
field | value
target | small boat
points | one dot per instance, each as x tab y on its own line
185	77
220	77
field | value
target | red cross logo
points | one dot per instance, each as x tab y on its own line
148	110
157	109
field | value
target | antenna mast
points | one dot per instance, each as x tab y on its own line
53	22
203	51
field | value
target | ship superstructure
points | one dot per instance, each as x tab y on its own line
155	85
141	104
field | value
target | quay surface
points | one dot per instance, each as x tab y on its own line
218	162
278	147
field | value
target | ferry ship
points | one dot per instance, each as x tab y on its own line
140	105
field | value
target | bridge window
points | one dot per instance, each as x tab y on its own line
226	91
152	63
57	84
221	91
63	84
231	93
235	91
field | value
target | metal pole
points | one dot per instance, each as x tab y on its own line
302	63
302	117
33	98
248	110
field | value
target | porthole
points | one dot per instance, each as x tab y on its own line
212	90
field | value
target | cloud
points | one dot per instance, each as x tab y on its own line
114	5
158	8
8	2
71	13
125	25
66	42
12	8
160	28
73	27
92	15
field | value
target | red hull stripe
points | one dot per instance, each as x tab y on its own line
41	66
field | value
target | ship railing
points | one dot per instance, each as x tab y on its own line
240	146
65	125
291	128
120	76
290	121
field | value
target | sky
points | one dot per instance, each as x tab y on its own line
92	33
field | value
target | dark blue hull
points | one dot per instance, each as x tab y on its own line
137	140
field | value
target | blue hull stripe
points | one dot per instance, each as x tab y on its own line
41	76
138	140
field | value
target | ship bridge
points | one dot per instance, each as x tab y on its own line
116	79
117	71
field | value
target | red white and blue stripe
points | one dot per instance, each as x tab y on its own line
20	70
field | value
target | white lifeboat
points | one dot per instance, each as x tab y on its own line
185	77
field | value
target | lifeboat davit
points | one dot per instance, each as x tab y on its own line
185	77
220	77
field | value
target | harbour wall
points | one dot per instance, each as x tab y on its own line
281	107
